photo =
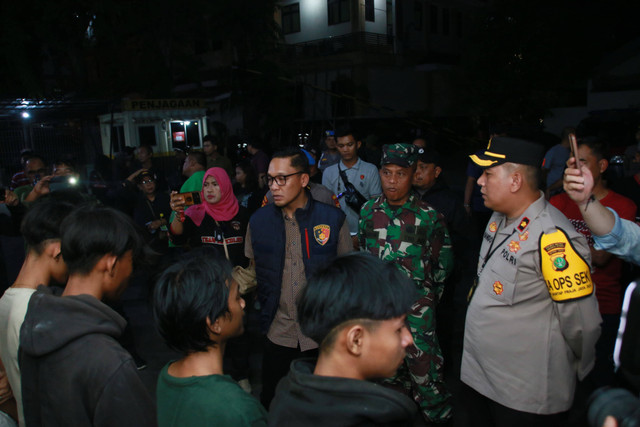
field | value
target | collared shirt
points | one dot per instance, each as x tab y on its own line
285	329
327	159
364	177
521	348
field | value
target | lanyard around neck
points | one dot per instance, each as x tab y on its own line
492	250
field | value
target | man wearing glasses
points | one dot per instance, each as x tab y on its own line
34	169
288	240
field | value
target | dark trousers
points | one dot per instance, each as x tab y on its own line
275	365
484	412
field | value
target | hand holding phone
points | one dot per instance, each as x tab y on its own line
573	142
187	199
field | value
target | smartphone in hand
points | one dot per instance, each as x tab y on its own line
573	142
191	198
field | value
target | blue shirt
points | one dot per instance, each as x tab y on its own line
623	240
364	176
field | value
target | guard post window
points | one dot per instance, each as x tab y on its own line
339	11
291	18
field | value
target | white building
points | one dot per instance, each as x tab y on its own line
374	58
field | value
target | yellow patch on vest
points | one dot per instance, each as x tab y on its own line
565	272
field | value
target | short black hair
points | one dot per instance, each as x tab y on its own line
188	292
199	157
90	232
43	220
347	130
353	286
298	160
598	146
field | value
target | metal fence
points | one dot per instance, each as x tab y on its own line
75	143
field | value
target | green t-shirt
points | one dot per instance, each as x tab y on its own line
205	401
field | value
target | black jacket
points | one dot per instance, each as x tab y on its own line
74	372
304	399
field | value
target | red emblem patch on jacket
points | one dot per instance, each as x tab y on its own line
321	233
493	227
514	246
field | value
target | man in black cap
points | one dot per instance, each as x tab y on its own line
533	320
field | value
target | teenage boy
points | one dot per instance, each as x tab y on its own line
356	309
198	308
43	264
353	180
74	371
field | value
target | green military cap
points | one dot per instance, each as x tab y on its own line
502	149
405	155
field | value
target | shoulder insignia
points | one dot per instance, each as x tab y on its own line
493	227
321	233
523	224
514	246
565	272
265	201
524	236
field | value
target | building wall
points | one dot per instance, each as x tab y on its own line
314	21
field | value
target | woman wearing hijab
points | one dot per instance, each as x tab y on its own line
217	222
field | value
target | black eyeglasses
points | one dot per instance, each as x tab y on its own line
280	179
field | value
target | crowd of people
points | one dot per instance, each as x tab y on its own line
383	296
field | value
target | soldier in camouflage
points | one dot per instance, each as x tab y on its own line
398	227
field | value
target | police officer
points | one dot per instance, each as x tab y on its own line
533	319
398	227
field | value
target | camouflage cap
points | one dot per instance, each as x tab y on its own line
404	155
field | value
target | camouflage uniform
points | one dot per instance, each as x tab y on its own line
415	238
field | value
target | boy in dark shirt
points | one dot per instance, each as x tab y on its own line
74	372
356	309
